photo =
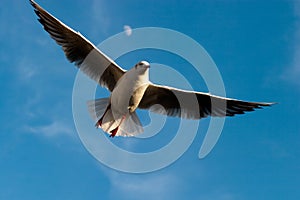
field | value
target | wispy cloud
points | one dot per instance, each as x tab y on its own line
26	69
223	195
293	72
296	60
39	120
100	17
35	101
53	129
40	104
165	184
148	186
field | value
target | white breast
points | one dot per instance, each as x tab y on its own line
124	89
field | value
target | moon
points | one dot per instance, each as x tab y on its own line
127	30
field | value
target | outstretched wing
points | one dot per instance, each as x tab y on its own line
81	51
193	105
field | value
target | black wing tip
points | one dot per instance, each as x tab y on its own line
250	108
33	3
36	9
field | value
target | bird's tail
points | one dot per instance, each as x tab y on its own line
97	107
127	125
131	125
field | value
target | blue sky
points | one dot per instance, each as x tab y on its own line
253	43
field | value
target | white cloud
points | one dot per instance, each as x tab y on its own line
35	102
158	185
53	129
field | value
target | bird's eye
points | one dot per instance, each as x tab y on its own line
140	64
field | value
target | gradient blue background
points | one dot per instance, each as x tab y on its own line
255	45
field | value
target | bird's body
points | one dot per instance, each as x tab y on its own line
131	90
125	98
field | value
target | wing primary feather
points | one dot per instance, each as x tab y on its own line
194	105
80	51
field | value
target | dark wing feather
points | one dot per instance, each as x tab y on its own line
193	105
80	51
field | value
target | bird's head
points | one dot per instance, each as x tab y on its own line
142	67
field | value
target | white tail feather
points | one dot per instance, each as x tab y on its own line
130	126
109	123
97	107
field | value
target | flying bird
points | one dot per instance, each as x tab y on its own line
132	89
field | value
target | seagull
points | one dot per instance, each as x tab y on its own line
132	89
